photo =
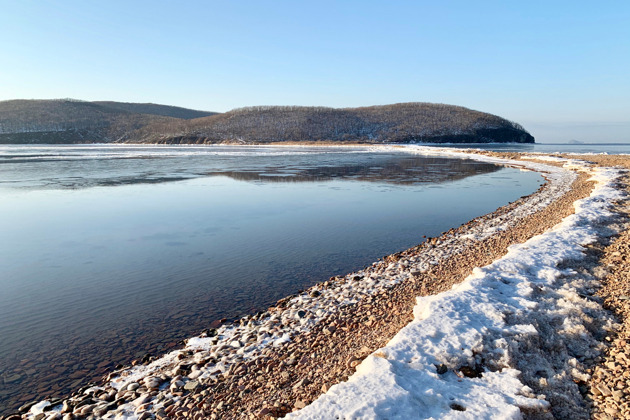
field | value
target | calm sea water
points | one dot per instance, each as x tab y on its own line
111	252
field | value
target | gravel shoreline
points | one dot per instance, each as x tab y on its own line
608	390
281	360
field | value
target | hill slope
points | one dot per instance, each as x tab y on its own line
69	121
72	121
156	109
400	123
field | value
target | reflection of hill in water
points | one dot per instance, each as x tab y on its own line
405	171
84	171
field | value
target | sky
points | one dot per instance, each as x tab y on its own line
560	68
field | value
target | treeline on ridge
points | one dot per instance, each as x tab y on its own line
71	121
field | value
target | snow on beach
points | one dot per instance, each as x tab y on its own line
456	358
481	327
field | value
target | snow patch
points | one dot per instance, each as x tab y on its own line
499	315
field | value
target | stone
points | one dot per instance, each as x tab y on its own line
613	411
141	400
363	352
133	386
470	372
100	410
603	388
191	385
457	407
350	360
329	329
152	382
263	412
12	378
143	407
299	404
86	409
24	408
193	375
301	383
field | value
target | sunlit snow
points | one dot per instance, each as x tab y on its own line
476	324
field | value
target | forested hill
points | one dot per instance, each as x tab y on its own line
399	123
71	121
155	109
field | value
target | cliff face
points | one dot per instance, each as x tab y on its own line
81	122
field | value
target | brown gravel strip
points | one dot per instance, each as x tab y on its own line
609	388
293	375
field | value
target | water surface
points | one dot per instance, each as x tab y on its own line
112	252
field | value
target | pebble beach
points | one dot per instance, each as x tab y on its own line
304	356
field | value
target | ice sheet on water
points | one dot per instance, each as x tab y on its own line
10	153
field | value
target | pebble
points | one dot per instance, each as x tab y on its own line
191	385
604	390
152	382
141	400
132	386
66	407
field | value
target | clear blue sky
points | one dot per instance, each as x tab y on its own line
561	68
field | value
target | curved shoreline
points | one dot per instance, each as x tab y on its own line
223	378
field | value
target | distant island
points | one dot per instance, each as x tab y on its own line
69	121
